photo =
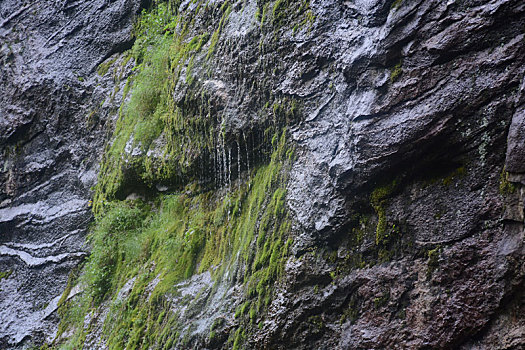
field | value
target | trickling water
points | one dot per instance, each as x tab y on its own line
224	161
219	162
229	167
215	165
247	153
254	148
224	157
238	166
201	175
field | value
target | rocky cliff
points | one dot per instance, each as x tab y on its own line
50	142
262	174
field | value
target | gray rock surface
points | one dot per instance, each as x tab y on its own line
55	114
421	98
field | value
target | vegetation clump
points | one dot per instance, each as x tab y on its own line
162	56
505	186
143	248
5	274
180	235
396	72
396	4
378	200
433	260
139	246
104	66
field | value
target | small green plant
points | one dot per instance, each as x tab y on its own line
457	173
382	300
505	186
433	260
5	274
104	66
378	200
396	72
396	4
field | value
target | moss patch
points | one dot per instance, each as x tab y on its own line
433	260
457	173
378	200
396	4
395	73
183	234
5	274
505	186
237	230
104	66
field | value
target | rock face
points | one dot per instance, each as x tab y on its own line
50	141
406	193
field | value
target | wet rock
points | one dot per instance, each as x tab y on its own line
55	112
406	192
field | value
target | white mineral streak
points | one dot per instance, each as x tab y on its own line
33	261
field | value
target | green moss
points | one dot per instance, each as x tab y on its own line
317	322
212	335
160	21
288	14
243	233
505	186
238	339
104	66
457	173
382	300
264	14
226	9
393	240
184	234
396	72
308	18
378	200
278	8
433	260
253	314
396	4
5	274
351	312
151	111
72	280
359	229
